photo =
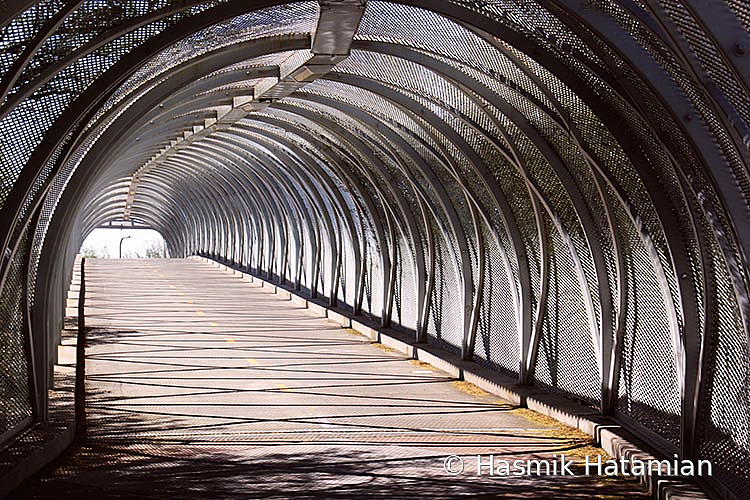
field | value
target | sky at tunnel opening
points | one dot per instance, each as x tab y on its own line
136	243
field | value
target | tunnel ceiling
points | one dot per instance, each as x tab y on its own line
557	189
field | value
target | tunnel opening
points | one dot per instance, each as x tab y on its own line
115	241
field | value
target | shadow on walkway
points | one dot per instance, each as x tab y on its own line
217	389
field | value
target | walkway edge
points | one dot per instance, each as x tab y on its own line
612	437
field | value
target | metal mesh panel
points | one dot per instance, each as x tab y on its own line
20	31
41	231
649	391
584	184
497	341
325	264
292	18
742	10
373	291
405	296
87	22
686	158
527	16
32	118
406	26
15	405
714	64
617	166
655	420
347	274
445	322
374	274
708	54
566	359
725	431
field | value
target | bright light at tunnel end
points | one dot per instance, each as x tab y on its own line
106	243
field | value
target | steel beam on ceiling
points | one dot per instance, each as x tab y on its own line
204	153
462	267
331	40
254	176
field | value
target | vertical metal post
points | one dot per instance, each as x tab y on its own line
470	331
80	388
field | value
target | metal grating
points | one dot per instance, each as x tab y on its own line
444	322
34	116
497	341
742	10
567	360
725	431
21	31
649	391
15	406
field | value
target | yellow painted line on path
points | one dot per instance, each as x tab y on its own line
214	323
200	313
283	387
251	361
230	340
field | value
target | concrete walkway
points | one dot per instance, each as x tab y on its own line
201	384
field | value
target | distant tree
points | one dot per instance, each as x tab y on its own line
154	250
95	253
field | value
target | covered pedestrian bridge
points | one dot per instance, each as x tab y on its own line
556	192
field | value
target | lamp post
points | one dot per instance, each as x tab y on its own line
121	240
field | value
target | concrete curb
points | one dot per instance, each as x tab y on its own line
612	437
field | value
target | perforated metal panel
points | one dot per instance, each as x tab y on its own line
405	295
444	322
725	429
31	118
649	391
567	360
15	405
498	334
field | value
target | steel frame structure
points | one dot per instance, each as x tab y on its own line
557	189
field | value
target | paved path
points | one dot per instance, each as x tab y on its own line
201	384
